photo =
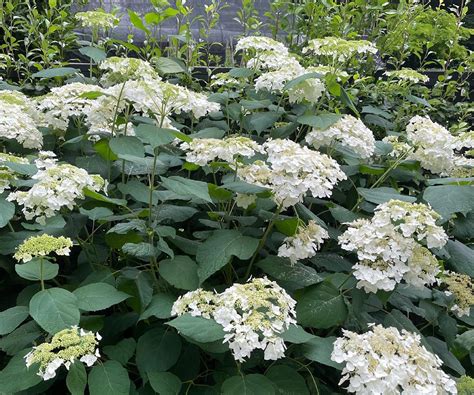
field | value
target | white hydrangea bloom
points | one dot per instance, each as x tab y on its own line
97	19
432	144
64	102
204	151
463	140
18	120
384	361
254	315
244	200
338	48
462	288
304	243
387	246
260	44
57	186
350	132
119	70
224	79
407	74
291	171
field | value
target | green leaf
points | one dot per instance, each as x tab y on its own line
94	53
296	335
450	199
298	80
160	306
466	340
287	380
153	135
111	378
261	121
319	349
55	72
200	329
243	187
157	350
76	379
440	348
127	145
98	296
7	211
240	72
322	121
136	21
461	257
122	352
184	186
169	66
54	309
11	318
164	383
321	306
181	272
32	270
101	198
217	250
383	194
140	250
252	384
16	377
298	275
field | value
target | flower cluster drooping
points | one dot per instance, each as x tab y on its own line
254	315
57	186
119	70
385	361
407	75
7	175
304	244
387	246
290	171
339	49
461	287
41	246
97	19
18	119
348	131
65	348
64	102
203	151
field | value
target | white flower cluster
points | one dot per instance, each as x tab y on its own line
254	315
224	79
64	102
348	131
304	244
65	348
387	246
97	19
290	171
384	361
7	175
261	44
57	186
339	49
245	200
119	70
407	74
203	151
461	287
18	118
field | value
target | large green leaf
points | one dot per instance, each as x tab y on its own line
55	309
153	135
11	318
322	121
127	145
319	349
98	296
96	54
165	383
321	306
76	380
184	186
217	250
287	380
382	195
34	271
296	335
55	72
109	378
7	211
200	329
181	272
252	384
122	352
461	257
16	377
450	199
160	306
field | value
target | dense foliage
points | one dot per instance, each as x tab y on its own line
301	223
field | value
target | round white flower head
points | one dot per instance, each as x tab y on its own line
292	171
57	186
260	44
119	70
464	140
224	79
254	315
348	131
97	19
461	286
339	49
432	145
65	348
229	149
407	74
304	243
385	361
399	148
18	119
7	175
43	245
64	102
244	200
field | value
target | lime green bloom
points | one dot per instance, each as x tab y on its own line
39	246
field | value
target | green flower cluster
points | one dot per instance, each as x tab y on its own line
39	246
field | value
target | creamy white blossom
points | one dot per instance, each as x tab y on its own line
118	70
407	74
97	19
339	49
385	361
461	287
304	243
348	131
245	200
